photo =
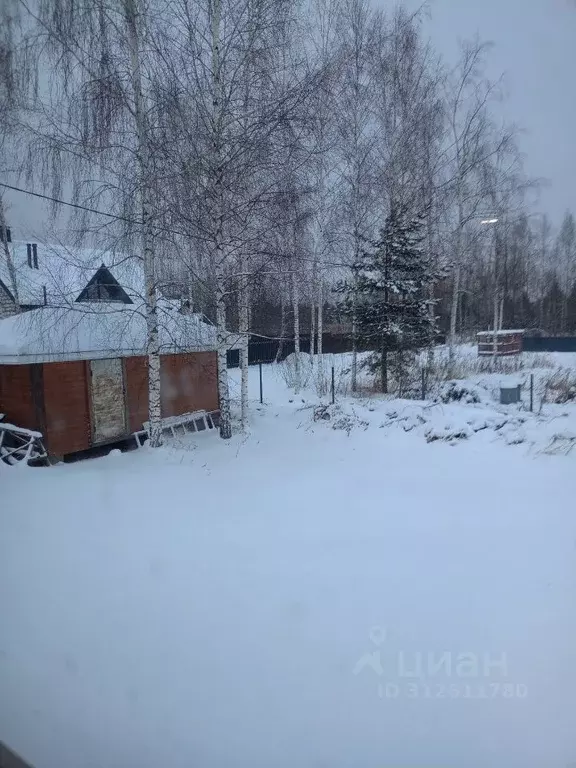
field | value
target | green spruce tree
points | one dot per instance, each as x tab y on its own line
388	293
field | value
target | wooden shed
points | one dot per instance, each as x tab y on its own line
508	342
84	383
79	404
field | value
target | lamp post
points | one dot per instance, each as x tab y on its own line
493	220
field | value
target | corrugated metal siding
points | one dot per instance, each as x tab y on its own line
16	401
549	344
66	407
189	383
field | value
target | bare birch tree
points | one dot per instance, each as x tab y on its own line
471	140
90	126
237	85
357	23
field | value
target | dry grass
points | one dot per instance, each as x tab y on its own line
552	383
560	386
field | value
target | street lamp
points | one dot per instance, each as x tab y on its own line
494	220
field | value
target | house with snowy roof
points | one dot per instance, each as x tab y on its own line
59	275
74	366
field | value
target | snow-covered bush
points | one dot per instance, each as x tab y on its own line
296	370
459	392
340	418
348	421
448	432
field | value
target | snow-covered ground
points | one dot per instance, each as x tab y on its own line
304	596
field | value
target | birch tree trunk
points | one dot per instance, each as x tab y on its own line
454	313
280	349
431	312
354	383
296	310
244	317
312	328
222	346
320	334
456	284
495	336
320	328
218	224
147	233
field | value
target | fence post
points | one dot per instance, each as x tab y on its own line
531	391
260	373
333	388
423	383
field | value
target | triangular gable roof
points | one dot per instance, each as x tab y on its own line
103	277
63	272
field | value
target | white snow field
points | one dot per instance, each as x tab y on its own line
301	597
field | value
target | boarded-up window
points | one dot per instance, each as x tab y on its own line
108	410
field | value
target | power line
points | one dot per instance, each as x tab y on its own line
321	265
71	205
92	210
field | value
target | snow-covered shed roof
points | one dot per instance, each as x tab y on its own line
501	332
92	330
63	272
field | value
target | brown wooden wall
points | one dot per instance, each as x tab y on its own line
189	383
16	396
54	398
66	407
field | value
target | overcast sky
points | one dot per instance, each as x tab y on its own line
535	48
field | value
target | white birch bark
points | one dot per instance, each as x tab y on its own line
320	334
354	382
312	325
431	313
296	309
454	312
495	336
456	283
222	346
282	320
144	160
354	375
218	224
244	321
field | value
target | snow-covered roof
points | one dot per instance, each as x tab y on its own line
502	332
64	271
91	330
